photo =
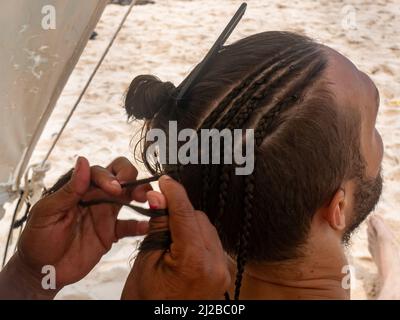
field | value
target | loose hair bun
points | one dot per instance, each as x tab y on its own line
147	95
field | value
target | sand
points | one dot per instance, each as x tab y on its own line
167	39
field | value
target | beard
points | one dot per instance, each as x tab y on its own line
366	196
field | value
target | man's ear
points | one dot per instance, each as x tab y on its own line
334	212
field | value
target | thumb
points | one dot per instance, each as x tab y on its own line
182	216
72	192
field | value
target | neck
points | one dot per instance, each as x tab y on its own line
316	275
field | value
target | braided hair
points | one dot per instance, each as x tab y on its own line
235	118
271	82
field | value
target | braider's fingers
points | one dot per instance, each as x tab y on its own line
123	169
125	172
73	191
139	193
183	224
105	180
157	201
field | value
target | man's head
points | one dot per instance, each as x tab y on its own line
317	153
354	89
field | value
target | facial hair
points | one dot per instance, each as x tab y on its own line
366	196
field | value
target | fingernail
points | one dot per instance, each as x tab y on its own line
115	185
165	177
78	165
153	202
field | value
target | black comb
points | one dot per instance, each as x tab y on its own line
217	46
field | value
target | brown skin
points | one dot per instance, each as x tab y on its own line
319	274
72	239
195	265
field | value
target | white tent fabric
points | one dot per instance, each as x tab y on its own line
35	63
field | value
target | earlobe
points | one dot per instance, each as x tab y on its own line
335	211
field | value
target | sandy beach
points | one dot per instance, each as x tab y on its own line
167	39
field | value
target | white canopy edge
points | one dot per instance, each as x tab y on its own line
36	61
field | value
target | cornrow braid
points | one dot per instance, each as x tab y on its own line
264	127
260	97
214	116
239	96
244	105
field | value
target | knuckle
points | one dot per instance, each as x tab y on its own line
125	167
131	170
121	159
